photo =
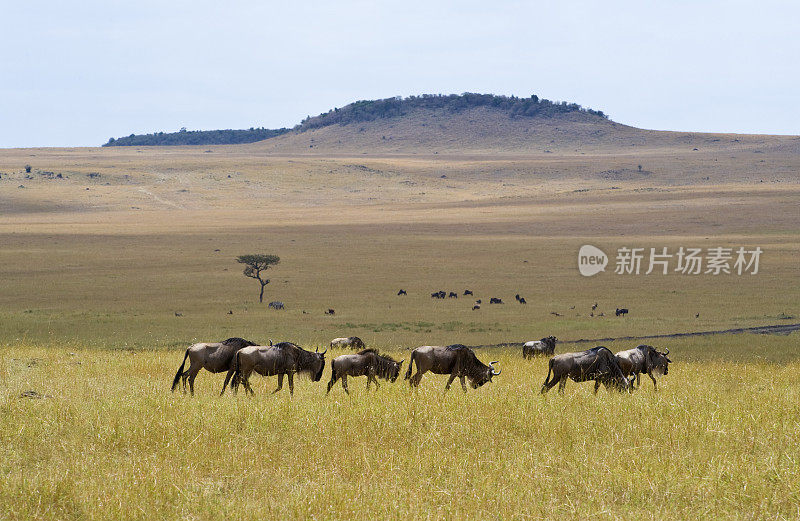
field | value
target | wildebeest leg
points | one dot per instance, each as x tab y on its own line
562	383
291	383
655	385
227	379
449	381
344	384
192	375
334	377
637	379
246	384
463	384
280	383
414	382
596	386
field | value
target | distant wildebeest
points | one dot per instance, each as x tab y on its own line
364	363
276	304
284	358
522	300
439	294
467	292
330	311
452	294
456	360
478	301
516	297
214	357
476	306
621	311
545	346
598	364
555	314
643	359
353	342
594	306
402	292
495	300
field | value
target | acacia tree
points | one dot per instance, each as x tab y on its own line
255	264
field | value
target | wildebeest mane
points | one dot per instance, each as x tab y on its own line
467	362
384	365
237	343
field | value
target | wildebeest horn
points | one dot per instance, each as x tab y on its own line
666	352
270	341
495	373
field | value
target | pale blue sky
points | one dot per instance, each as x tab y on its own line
78	73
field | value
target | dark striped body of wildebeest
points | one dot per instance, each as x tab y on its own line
598	364
439	294
367	363
545	346
284	358
276	304
621	311
214	357
456	360
467	292
643	359
495	300
402	292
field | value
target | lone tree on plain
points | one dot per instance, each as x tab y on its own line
254	265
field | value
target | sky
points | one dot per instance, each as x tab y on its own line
78	73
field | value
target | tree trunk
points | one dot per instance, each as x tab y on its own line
261	295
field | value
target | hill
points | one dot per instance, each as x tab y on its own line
196	137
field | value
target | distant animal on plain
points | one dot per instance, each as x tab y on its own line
478	301
594	306
545	346
276	304
522	300
556	314
598	364
330	311
621	311
353	342
467	292
439	294
456	360
230	312
402	292
697	315
214	357
476	306
495	300
365	363
178	314
452	294
516	297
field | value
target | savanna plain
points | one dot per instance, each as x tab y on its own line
110	271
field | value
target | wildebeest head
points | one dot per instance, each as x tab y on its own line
484	375
396	370
318	364
658	362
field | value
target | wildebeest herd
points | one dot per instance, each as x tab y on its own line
239	358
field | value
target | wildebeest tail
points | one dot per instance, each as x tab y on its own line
180	371
237	376
410	366
549	371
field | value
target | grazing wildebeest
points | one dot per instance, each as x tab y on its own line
594	306
330	311
476	306
545	346
516	297
452	294
439	294
284	358
598	364
467	292
402	292
276	304
353	342
643	359
456	360
214	357
495	300
478	301
621	311
522	300
364	363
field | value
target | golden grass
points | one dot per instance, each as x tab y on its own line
717	441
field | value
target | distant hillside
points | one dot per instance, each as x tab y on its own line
512	107
196	137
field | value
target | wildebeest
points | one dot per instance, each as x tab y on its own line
621	311
495	300
402	292
598	364
439	294
214	357
516	297
467	292
476	306
456	360
452	294
522	300
643	359
284	358
276	304
364	363
545	346
353	342
330	311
